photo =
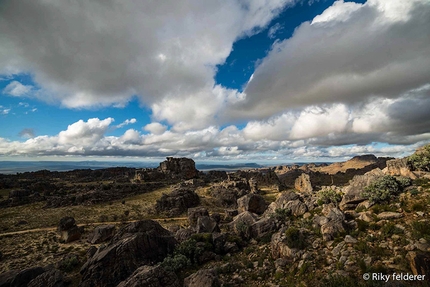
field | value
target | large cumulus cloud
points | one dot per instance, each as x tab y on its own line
98	53
348	54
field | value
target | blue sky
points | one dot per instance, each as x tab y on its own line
274	81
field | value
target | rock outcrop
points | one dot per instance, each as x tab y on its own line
227	197
68	230
151	276
399	167
303	183
203	278
177	202
184	168
353	191
101	234
254	203
138	243
50	278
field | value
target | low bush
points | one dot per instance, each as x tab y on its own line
383	189
328	196
295	238
421	159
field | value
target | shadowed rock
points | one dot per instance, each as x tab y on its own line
177	202
203	278
151	276
137	244
254	203
101	233
51	278
184	168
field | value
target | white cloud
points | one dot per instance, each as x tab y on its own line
84	133
17	89
155	128
338	12
4	111
350	54
127	122
165	52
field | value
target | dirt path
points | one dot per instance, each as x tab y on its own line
86	224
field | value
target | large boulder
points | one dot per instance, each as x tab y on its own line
303	183
333	226
194	213
177	202
50	278
399	167
297	207
7	277
203	278
280	249
184	168
287	200
151	276
419	263
101	233
136	244
227	197
353	191
263	227
68	230
241	223
25	276
254	203
206	224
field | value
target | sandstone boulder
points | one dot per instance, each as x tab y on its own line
227	197
280	249
303	183
353	191
136	244
399	167
297	207
206	224
203	278
194	213
254	203
68	230
334	226
177	202
151	276
241	223
184	168
25	276
50	278
101	233
419	262
262	227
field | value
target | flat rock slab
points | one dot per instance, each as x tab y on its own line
389	215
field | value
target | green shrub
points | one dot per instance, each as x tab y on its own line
281	214
294	238
419	206
420	160
390	229
421	229
403	181
383	189
176	263
328	196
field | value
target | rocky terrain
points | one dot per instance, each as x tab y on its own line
311	225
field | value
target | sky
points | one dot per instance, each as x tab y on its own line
228	80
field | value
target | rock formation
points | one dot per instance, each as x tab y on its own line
138	243
184	168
